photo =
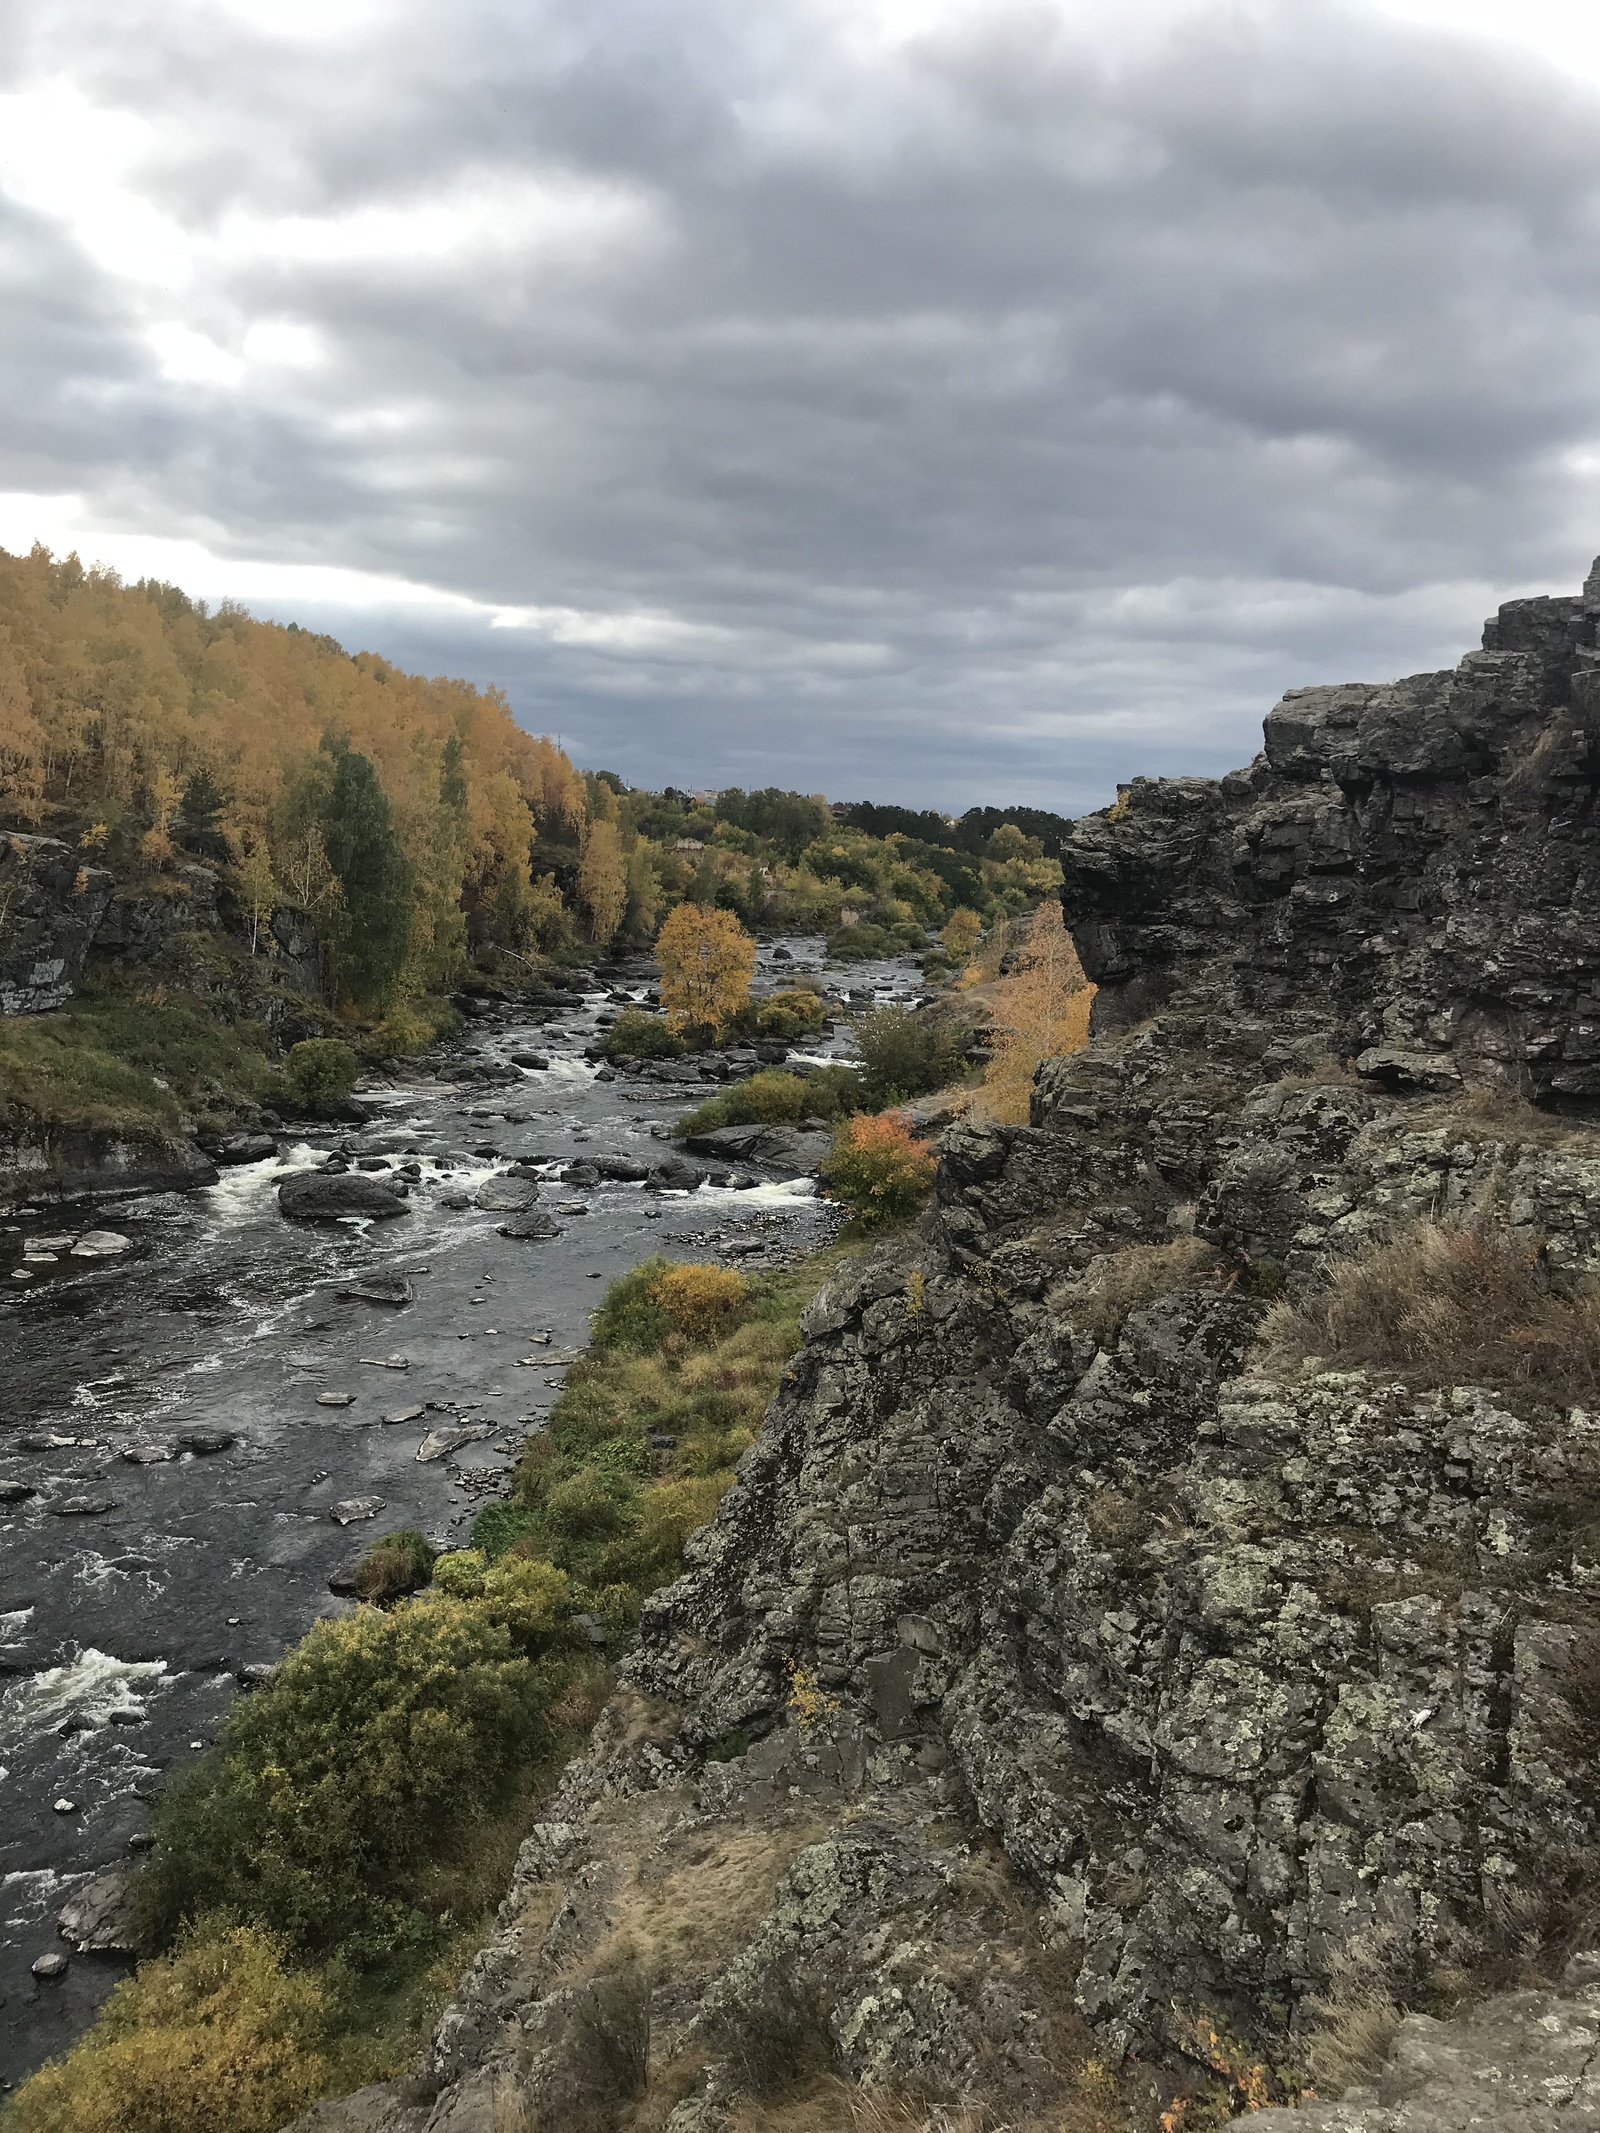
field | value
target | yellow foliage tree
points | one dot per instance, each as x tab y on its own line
256	882
23	746
707	961
962	933
1040	1012
603	880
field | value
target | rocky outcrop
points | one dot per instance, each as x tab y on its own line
1526	2062
1425	852
1094	1699
50	906
40	1161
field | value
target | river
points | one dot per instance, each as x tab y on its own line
127	1624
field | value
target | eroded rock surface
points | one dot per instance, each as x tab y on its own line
1077	1685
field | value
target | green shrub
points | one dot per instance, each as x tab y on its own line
775	1098
321	1072
862	943
781	1016
397	1564
878	1171
904	1054
637	1035
218	2037
333	1787
629	1317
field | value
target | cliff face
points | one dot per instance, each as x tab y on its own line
1057	1688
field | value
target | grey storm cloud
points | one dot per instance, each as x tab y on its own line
978	416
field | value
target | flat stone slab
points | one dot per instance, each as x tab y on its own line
440	1443
355	1508
100	1244
81	1506
96	1918
336	1399
406	1414
381	1289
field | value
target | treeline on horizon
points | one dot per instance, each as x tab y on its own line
421	829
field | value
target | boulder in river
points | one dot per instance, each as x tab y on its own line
535	1062
439	1443
355	1508
81	1506
330	1196
203	1442
96	1919
509	1194
100	1244
243	1148
380	1289
16	1491
154	1451
672	1174
52	1965
783	1149
620	1169
532	1229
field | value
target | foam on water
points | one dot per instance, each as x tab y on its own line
26	1897
13	1624
88	1688
244	1192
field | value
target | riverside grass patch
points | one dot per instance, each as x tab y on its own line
643	1441
324	1874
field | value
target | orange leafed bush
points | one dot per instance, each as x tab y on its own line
704	1302
877	1170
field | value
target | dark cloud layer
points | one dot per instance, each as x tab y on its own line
990	414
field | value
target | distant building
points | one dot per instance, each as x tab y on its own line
688	844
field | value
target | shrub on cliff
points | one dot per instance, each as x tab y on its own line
218	2037
1448	1306
878	1171
320	1072
905	1054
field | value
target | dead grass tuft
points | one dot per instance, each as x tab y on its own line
1111	1289
1356	2015
1446	1306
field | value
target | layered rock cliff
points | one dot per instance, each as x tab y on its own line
1071	1698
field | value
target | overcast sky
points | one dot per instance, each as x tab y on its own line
943	400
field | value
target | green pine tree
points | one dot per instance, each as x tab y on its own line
375	880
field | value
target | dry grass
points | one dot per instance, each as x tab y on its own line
1446	1306
1356	2015
1091	2102
1111	1289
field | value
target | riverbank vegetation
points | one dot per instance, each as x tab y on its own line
323	1874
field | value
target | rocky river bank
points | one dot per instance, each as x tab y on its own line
208	1409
